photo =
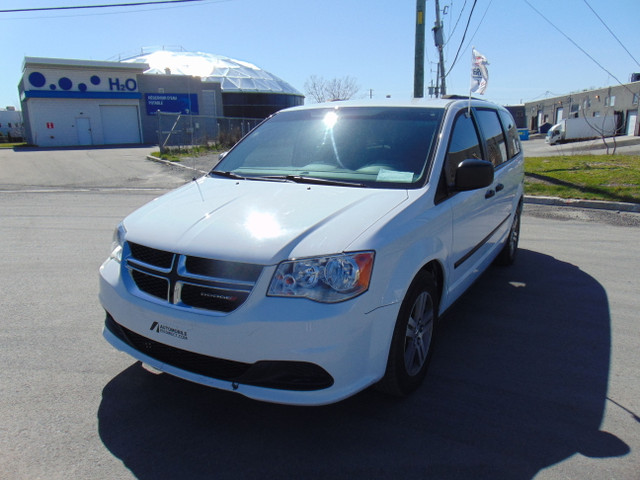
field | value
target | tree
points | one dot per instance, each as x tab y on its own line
322	90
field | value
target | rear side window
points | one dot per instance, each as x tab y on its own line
513	139
495	139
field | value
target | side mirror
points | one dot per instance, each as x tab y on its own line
473	173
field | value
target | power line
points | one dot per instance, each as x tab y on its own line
466	28
576	45
613	34
479	24
79	7
453	30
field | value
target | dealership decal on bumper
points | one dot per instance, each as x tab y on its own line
174	332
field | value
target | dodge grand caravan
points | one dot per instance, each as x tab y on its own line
314	259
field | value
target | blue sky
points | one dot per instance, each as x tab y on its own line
370	40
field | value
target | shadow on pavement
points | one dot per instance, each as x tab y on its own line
518	382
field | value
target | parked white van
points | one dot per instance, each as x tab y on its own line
313	261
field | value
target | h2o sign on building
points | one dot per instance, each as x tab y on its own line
128	85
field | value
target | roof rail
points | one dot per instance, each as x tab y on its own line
459	97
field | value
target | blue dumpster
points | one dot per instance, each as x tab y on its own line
524	133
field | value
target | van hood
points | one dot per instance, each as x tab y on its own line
259	221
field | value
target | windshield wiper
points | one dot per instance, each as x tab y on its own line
288	178
315	180
221	173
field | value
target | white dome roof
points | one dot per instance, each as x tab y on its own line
233	75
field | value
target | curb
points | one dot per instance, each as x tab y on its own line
551	201
595	204
173	164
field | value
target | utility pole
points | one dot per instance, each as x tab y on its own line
418	71
438	38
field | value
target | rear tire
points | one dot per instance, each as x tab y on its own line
508	253
411	345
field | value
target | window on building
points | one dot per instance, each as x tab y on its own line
635	99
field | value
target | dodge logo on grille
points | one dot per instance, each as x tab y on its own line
217	296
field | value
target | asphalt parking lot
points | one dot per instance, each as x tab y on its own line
534	373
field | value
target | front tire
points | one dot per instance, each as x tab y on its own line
411	345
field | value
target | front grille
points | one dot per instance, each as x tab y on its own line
189	281
283	375
151	284
151	256
244	272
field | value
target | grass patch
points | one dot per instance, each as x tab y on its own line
12	145
588	177
177	154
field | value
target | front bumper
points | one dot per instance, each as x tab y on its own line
284	375
291	351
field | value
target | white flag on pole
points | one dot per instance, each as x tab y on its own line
479	72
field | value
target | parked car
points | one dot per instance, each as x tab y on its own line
313	261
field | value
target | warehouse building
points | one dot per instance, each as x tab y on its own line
621	101
67	102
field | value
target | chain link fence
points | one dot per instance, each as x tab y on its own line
177	131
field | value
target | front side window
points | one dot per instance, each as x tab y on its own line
464	144
384	147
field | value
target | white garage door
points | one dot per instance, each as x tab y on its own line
632	119
120	124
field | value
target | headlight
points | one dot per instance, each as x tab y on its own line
118	242
329	279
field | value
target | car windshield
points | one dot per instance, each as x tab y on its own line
384	147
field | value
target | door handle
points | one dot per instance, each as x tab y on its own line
489	193
499	187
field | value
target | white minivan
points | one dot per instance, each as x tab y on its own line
315	258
